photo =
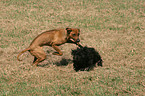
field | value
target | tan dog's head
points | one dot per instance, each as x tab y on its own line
73	34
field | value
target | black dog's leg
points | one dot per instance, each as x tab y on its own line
99	63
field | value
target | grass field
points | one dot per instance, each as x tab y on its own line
116	28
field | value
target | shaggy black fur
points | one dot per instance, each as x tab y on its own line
85	58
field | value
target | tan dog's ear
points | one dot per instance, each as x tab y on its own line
68	30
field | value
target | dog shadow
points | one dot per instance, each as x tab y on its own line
63	62
43	65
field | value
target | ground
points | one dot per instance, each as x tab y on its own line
115	28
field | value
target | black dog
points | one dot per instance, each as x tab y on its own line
85	58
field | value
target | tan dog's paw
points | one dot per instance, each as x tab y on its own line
56	53
34	65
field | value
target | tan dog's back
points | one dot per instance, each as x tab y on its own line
46	38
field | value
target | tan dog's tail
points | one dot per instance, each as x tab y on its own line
22	53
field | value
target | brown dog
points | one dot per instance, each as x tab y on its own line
52	38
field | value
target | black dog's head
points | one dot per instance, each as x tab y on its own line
85	58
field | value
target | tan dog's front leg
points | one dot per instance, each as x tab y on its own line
57	49
80	45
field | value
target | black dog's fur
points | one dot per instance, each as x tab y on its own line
85	58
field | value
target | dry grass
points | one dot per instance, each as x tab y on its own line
116	28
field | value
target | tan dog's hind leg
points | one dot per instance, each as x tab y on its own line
57	49
39	55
